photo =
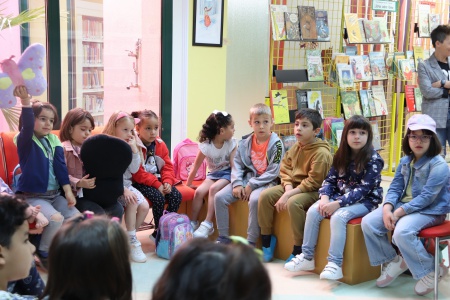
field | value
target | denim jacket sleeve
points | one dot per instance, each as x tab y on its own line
396	187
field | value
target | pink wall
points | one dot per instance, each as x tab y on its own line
123	25
9	43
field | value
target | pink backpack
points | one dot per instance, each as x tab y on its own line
184	156
174	230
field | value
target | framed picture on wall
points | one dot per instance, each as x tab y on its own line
208	23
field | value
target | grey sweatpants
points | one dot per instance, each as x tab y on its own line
224	198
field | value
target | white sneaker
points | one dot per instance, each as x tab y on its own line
300	263
137	254
204	230
331	271
194	225
425	284
391	271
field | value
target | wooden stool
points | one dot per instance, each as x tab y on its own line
439	233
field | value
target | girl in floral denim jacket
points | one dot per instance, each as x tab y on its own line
417	198
350	190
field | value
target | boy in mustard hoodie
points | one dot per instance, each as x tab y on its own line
302	171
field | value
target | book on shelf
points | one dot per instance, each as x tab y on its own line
361	29
418	55
332	72
288	141
92	29
302	98
373	110
350	104
314	64
327	132
405	69
409	95
308	28
434	20
418	99
389	61
410	56
336	132
364	98
372	31
323	31
280	106
361	68
345	75
423	22
355	35
277	17
382	22
350	50
377	65
315	101
379	98
376	140
395	64
292	26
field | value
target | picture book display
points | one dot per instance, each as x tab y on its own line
277	16
372	31
396	65
350	104
314	63
418	55
315	101
376	141
323	31
379	99
434	20
377	65
327	124
423	22
302	98
418	99
361	68
409	95
292	26
308	28
336	132
384	33
410	56
280	106
355	35
350	50
345	75
288	141
364	98
405	69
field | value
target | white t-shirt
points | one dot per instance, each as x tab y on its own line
218	159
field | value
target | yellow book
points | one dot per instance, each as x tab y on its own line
353	28
280	106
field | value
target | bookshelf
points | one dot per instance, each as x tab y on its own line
89	69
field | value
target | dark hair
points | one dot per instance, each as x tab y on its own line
203	270
440	33
212	126
74	116
37	107
144	114
12	216
312	115
435	145
342	158
89	259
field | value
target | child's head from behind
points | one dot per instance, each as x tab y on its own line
148	126
89	259
218	123
261	120
120	125
16	251
76	126
421	138
307	125
205	270
45	118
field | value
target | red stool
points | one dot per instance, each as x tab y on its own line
439	233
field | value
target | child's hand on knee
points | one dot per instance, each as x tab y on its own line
41	220
161	189
282	203
238	192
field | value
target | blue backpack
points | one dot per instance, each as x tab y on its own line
174	229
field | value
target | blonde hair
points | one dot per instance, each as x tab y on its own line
260	109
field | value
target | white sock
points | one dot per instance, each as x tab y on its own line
132	233
209	223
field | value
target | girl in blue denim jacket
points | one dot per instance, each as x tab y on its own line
417	198
350	190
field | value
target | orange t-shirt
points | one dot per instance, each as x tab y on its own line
258	155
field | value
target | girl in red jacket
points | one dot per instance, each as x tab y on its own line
155	178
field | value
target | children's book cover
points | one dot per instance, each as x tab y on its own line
280	106
315	101
361	29
372	31
302	98
364	103
323	31
395	64
345	75
292	26
336	132
418	98
385	37
434	20
350	104
314	62
376	141
332	70
350	50
373	111
308	28
288	141
361	68
409	95
277	16
353	30
389	62
423	22
410	56
418	55
379	99
377	65
405	69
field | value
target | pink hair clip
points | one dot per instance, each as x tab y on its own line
122	114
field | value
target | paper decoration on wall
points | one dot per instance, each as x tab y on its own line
28	72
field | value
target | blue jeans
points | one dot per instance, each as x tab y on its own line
380	250
443	135
338	227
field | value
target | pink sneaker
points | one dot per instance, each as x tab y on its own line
391	271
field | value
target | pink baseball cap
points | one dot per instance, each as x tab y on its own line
419	122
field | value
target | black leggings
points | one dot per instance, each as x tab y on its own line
158	200
115	210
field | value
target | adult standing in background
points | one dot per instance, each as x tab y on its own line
434	83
